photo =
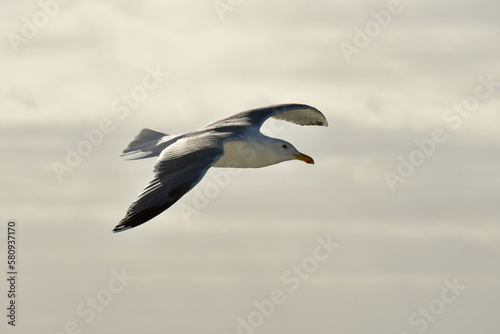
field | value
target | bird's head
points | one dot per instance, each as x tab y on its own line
283	151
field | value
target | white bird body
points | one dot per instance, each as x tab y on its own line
254	152
184	159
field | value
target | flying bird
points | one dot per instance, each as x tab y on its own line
183	160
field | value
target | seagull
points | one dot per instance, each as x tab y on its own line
183	160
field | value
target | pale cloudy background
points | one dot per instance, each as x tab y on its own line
397	249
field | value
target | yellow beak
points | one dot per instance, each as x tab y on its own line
305	158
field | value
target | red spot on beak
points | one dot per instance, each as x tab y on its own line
305	158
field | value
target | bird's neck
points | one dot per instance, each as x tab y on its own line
250	153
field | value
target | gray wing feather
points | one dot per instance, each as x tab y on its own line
178	169
301	114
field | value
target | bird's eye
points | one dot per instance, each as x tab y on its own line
284	146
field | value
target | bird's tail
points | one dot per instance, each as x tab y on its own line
146	144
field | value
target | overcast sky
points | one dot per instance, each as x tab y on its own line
395	229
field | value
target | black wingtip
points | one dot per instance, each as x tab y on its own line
139	218
122	226
119	229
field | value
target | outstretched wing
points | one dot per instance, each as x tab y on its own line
178	169
301	114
